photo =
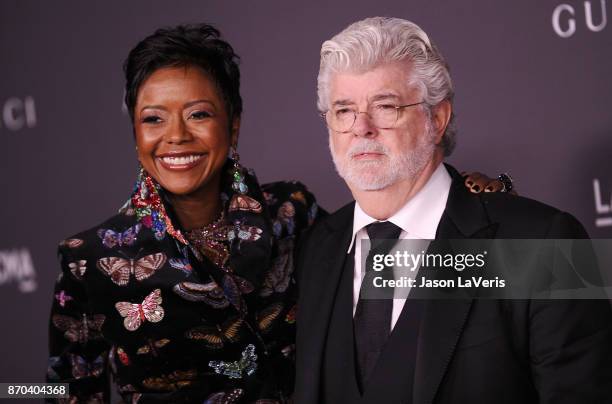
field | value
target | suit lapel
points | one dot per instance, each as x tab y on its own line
444	320
318	291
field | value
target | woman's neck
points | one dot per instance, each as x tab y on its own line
199	208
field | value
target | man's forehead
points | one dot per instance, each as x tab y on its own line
382	82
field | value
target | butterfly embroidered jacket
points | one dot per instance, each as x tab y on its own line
172	323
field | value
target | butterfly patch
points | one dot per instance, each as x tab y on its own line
111	239
210	293
312	213
119	269
225	397
79	330
267	317
289	352
181	264
242	232
81	368
71	243
53	364
129	394
97	398
233	287
279	275
78	268
135	314
152	347
215	337
244	203
127	208
62	298
286	217
171	382
245	366
298	196
290	317
123	356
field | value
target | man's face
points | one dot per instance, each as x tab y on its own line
369	158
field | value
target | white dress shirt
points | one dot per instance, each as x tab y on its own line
418	219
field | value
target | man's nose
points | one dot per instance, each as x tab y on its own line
363	125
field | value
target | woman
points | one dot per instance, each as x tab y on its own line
187	294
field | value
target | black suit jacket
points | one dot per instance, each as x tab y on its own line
472	351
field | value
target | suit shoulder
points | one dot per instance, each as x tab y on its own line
501	203
337	220
518	212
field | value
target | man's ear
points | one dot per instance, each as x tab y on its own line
234	131
441	115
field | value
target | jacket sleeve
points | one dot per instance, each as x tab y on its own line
78	354
292	209
571	340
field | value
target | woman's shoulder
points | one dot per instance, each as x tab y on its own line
284	186
118	229
284	193
292	205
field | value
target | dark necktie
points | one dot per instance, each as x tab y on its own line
372	321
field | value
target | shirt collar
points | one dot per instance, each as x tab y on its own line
420	216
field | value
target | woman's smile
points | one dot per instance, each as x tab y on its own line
181	161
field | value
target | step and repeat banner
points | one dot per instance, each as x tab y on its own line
533	98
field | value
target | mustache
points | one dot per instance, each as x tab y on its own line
367	146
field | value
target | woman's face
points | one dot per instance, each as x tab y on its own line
182	129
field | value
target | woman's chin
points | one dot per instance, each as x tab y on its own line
182	187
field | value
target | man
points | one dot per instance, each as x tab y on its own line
386	95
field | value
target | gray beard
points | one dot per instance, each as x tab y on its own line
376	175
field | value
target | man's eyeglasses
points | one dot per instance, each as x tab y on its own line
383	116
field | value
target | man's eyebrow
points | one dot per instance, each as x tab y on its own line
377	97
343	102
384	96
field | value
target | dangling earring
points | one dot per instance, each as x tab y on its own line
141	186
240	200
238	184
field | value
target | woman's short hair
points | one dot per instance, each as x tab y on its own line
368	43
197	45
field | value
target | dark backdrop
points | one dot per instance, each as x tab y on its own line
534	98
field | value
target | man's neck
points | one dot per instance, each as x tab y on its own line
384	203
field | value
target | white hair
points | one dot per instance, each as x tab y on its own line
368	43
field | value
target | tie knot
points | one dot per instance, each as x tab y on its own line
383	230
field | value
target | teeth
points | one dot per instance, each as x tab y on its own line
181	160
